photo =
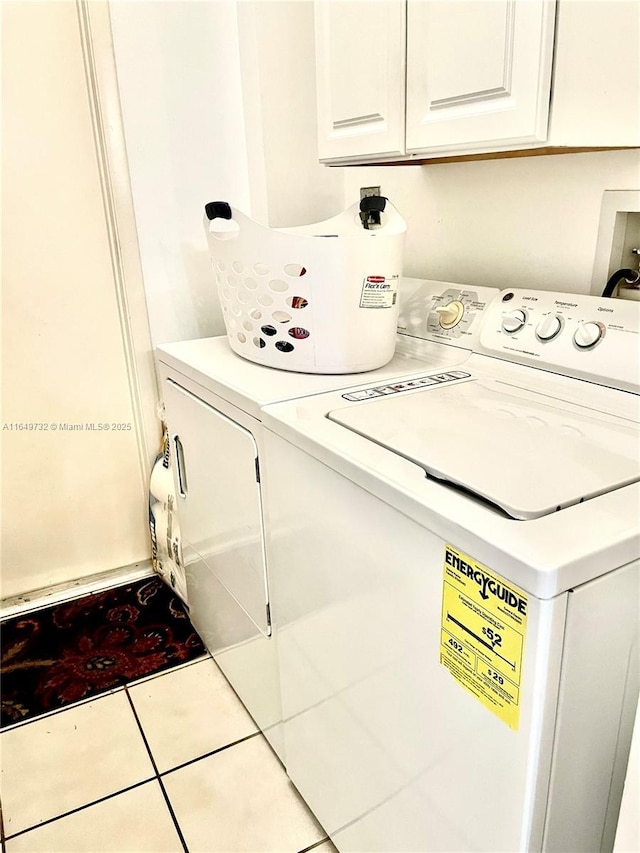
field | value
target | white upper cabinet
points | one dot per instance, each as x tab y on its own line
360	62
478	72
400	80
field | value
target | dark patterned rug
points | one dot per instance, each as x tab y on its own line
71	651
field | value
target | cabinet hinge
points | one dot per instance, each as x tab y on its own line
257	470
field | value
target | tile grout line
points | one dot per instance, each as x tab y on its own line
143	679
79	808
313	846
158	775
47	715
155	768
209	754
18	724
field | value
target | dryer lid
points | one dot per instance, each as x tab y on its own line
526	453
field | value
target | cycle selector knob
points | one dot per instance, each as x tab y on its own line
514	320
588	334
548	327
451	314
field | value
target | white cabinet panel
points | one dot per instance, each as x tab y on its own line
360	56
219	504
466	49
475	76
478	74
596	101
219	507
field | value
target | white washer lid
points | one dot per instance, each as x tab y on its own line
525	452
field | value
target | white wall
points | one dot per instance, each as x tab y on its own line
298	189
525	222
73	502
218	102
181	97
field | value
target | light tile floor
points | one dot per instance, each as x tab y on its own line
171	763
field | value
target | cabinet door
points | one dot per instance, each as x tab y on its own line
478	73
360	64
219	506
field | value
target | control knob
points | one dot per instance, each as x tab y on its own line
451	314
548	327
588	334
514	320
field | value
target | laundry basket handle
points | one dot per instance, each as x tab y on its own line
371	206
229	221
218	210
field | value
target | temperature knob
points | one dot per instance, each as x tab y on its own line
451	314
588	334
548	327
514	320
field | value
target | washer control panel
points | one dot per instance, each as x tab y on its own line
442	311
588	337
407	385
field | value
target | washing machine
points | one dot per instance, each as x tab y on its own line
213	401
455	565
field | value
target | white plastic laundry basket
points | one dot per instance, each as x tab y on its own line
318	298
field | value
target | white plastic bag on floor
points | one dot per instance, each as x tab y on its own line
166	552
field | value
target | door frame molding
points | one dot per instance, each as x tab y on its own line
111	155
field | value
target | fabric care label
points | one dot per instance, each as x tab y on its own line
484	626
378	291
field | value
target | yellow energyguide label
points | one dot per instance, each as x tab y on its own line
484	626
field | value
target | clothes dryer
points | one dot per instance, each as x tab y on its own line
213	401
455	561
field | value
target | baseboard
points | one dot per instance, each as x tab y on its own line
38	598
